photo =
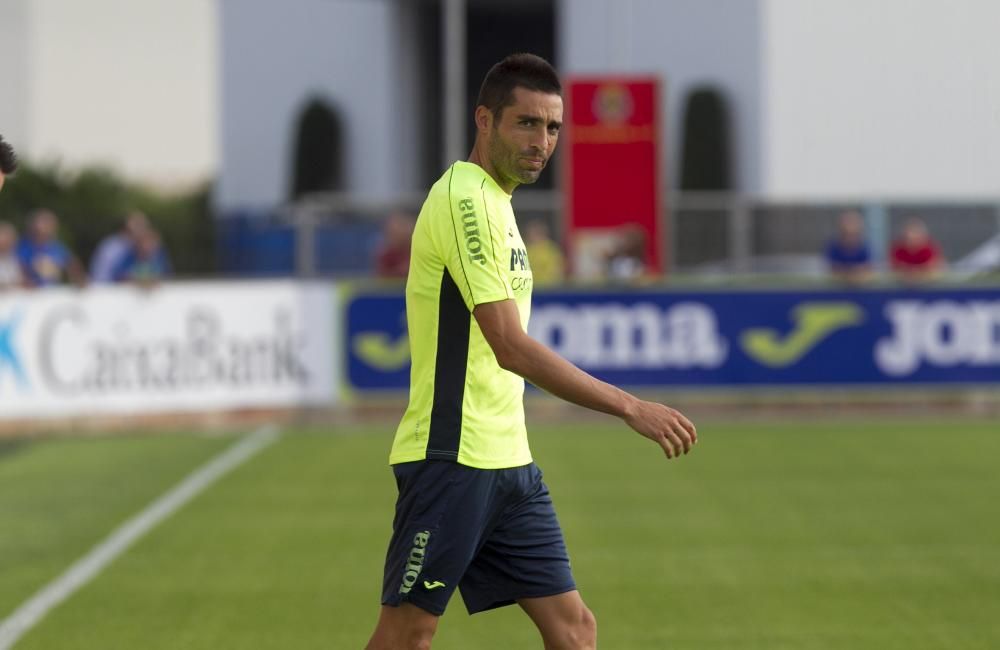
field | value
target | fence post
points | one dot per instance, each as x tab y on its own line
877	225
740	232
305	242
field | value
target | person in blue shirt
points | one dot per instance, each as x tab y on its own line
848	255
44	259
147	263
116	247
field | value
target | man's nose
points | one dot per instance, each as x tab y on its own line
541	142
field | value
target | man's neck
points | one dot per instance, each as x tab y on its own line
476	157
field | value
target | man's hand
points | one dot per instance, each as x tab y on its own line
663	425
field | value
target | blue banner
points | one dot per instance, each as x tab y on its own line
731	338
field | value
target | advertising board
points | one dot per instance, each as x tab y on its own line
730	338
179	347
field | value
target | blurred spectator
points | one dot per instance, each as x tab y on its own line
544	255
114	248
10	266
915	256
8	161
146	263
392	259
626	261
847	254
45	260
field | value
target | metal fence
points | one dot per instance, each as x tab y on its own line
705	234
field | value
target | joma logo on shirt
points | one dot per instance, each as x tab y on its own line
415	562
519	259
470	227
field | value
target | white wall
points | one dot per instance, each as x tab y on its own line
124	83
829	99
894	97
14	60
276	56
686	43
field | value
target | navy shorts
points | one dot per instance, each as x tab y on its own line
492	533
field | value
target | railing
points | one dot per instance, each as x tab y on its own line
705	234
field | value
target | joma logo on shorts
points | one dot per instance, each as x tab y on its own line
415	562
470	227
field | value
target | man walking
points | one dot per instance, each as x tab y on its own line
472	510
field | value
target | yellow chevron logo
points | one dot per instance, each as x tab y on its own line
379	351
814	322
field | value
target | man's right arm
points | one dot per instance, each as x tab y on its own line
517	352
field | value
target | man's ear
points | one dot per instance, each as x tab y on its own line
484	119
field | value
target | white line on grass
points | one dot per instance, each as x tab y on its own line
34	610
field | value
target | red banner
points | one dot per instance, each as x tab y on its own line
613	178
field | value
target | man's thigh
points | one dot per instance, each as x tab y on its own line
524	555
442	512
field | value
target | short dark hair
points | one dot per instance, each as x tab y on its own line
8	159
516	70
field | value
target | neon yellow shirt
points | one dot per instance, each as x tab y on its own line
466	251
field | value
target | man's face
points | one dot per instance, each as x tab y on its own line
8	239
915	234
851	227
523	139
44	227
147	244
1	180
135	225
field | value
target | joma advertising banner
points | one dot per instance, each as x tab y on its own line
180	347
729	338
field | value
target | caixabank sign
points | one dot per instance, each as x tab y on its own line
650	338
182	347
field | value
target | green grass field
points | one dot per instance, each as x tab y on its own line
800	536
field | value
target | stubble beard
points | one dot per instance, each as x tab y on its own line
505	161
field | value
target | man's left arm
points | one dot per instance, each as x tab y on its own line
517	352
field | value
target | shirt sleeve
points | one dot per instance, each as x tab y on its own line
475	250
24	252
830	253
122	269
58	252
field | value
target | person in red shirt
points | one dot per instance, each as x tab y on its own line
392	259
915	257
